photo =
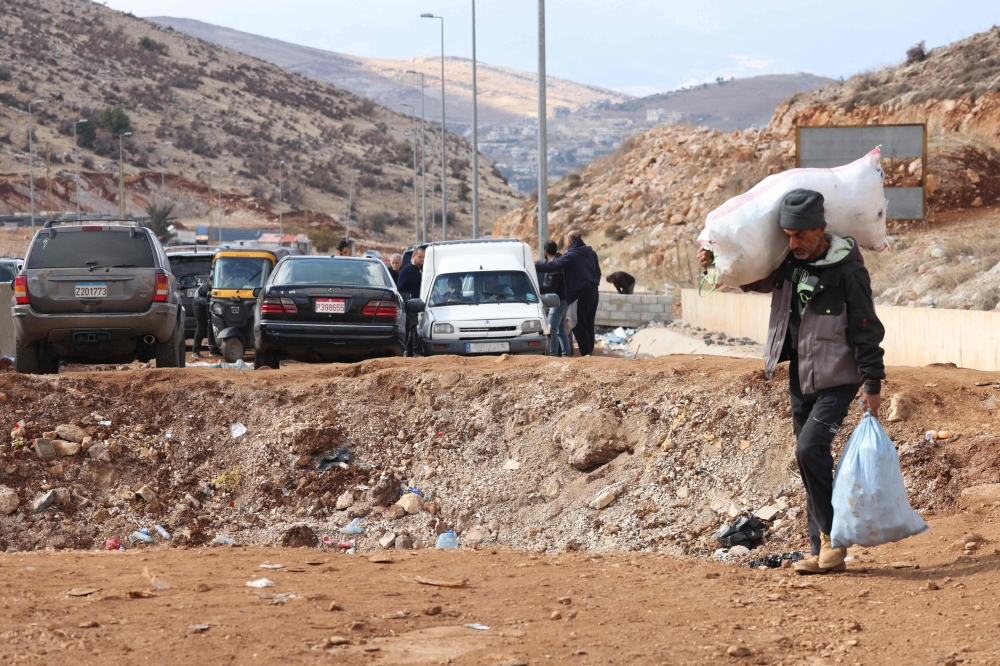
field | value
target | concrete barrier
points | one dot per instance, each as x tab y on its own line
913	336
6	321
633	309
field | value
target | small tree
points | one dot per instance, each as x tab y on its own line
159	221
916	53
115	120
463	191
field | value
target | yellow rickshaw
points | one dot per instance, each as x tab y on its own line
237	276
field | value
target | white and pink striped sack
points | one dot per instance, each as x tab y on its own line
744	235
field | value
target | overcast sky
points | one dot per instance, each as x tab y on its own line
636	46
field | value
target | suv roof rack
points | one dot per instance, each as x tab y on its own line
133	223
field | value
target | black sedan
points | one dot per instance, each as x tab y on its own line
328	309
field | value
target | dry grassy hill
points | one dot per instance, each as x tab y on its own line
224	113
505	94
645	205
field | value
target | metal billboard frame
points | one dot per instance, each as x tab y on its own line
923	155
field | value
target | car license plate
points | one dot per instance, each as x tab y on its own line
486	347
90	290
191	293
331	305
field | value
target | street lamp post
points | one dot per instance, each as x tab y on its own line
350	205
76	155
413	142
218	174
163	175
121	177
423	158
475	134
444	132
281	224
31	162
543	157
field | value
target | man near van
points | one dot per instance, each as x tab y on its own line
555	283
409	283
203	320
823	321
395	263
582	271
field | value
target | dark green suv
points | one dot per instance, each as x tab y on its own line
96	292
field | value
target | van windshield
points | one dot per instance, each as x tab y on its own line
482	287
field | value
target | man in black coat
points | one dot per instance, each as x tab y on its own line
203	320
409	283
582	273
622	281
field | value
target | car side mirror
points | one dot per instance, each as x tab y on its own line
550	300
12	283
414	305
256	291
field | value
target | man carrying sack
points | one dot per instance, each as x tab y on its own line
823	321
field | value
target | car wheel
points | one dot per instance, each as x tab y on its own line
182	346
48	362
26	358
166	353
232	349
265	359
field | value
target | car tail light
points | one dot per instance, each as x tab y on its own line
289	305
271	306
381	309
21	290
162	289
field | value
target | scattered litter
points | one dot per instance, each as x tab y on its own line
154	583
237	430
221	540
477	627
774	561
435	583
162	532
228	480
197	628
342	455
353	527
111	544
139	536
106	424
447	540
746	531
82	591
260	583
240	364
345	545
272	566
932	435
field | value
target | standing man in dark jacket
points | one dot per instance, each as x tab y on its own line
202	320
822	320
582	272
409	283
559	343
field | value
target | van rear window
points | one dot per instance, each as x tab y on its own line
83	249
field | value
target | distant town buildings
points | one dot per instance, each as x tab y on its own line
663	117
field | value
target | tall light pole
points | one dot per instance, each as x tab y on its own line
121	177
163	175
76	154
218	175
444	132
475	134
543	157
413	142
350	205
31	162
281	224
423	157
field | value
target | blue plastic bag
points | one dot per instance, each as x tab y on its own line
869	499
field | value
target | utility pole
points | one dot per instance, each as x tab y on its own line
76	154
281	225
350	205
543	157
475	134
413	145
444	135
31	162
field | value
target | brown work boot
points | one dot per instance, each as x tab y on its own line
830	558
810	566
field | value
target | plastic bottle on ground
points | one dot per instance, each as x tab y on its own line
353	527
447	540
162	532
139	536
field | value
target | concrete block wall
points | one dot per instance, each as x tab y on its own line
630	310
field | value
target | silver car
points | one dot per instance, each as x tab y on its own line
96	292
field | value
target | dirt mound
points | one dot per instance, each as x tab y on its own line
680	446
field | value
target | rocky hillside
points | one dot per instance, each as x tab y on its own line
647	203
203	109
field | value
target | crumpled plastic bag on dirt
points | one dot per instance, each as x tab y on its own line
869	498
744	235
746	531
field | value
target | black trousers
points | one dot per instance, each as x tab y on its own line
202	328
816	419
586	311
413	347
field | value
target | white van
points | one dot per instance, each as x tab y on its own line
482	297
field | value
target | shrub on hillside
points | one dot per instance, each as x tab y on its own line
115	120
153	45
916	53
5	73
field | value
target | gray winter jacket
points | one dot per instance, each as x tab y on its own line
840	335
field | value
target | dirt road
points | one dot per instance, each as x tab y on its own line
571	608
